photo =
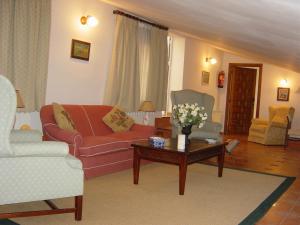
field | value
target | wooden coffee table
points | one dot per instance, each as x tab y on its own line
196	151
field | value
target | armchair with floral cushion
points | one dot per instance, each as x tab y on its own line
273	131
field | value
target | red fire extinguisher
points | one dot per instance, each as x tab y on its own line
221	78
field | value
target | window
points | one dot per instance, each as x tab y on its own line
176	46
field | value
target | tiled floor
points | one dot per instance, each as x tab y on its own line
276	160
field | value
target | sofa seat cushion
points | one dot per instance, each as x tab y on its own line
130	136
99	145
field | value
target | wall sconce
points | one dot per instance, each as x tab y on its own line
89	20
283	83
211	60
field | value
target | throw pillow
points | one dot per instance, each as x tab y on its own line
62	118
118	120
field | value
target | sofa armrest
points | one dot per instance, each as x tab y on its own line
143	128
42	149
25	136
260	122
57	134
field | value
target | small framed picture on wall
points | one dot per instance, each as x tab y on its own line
283	94
80	50
205	78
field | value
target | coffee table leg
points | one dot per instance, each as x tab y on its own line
182	175
136	167
221	162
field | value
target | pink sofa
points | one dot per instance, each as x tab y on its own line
100	149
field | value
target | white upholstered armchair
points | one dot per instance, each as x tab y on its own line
33	170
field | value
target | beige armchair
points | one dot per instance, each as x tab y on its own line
272	131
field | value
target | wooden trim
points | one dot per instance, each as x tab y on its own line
77	210
230	70
118	12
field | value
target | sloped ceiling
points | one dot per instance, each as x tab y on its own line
268	30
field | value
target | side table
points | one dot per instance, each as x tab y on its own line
163	127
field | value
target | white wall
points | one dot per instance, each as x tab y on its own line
77	81
195	54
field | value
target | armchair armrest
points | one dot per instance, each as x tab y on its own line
212	126
279	123
260	122
57	134
25	136
143	128
43	148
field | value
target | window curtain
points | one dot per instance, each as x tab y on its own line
139	67
24	47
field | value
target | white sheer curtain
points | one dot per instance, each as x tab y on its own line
139	67
24	46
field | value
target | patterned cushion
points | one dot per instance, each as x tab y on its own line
118	120
63	118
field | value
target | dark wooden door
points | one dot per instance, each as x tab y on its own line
240	100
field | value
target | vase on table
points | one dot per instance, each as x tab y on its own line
187	130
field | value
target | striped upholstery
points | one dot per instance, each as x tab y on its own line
100	150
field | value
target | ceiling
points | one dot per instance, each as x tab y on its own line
268	30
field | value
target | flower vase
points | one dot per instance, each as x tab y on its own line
187	130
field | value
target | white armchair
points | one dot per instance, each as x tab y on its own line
33	170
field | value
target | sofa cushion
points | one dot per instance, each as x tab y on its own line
98	145
63	118
131	136
118	120
258	128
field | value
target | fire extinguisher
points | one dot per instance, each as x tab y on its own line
221	78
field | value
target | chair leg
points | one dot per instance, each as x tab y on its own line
78	208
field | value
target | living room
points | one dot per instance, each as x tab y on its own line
74	81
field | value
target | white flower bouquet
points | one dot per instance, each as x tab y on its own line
189	114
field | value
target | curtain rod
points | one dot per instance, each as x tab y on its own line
139	19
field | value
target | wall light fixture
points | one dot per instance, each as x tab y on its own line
283	83
89	20
211	60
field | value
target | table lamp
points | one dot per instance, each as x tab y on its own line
20	103
147	106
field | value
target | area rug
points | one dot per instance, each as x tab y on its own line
239	197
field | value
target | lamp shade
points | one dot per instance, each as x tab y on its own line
20	103
147	106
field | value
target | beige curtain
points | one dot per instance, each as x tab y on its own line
123	84
24	46
157	85
139	67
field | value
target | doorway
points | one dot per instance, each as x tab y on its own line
243	96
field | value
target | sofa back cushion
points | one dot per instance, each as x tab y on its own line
95	114
87	118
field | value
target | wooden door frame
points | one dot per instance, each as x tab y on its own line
231	68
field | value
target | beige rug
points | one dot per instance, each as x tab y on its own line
208	199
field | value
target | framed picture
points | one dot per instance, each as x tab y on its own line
80	50
283	94
205	78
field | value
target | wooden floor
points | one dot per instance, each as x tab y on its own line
275	160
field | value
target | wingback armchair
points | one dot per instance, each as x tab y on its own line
273	131
210	129
33	170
